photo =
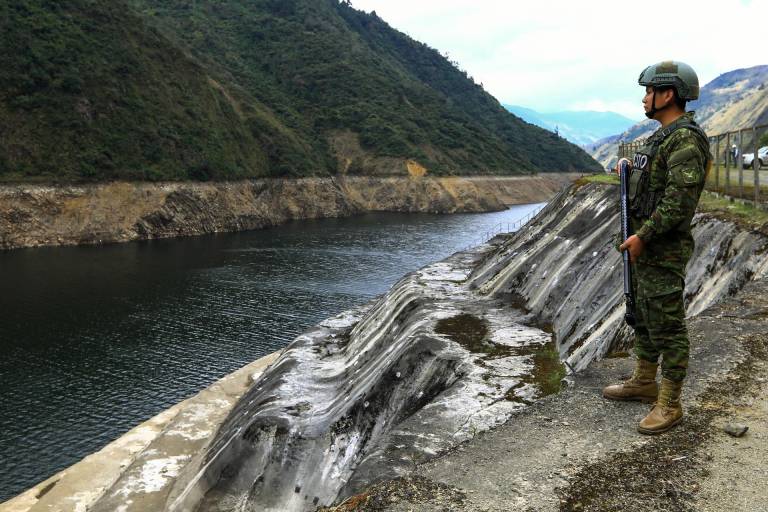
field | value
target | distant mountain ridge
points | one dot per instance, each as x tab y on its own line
578	126
734	100
101	90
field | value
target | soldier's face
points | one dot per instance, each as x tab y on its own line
648	99
662	98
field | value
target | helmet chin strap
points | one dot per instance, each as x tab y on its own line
651	113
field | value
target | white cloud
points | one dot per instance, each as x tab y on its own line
554	54
627	108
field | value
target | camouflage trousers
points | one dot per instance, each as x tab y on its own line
660	330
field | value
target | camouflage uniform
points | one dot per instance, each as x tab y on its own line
665	185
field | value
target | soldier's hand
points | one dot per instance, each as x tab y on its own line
634	245
618	165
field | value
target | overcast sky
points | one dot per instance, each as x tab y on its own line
553	55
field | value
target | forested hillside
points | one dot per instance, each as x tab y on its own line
151	90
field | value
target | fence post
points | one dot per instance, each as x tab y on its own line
727	166
739	165
717	163
756	165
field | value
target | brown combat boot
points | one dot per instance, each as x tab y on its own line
641	386
667	411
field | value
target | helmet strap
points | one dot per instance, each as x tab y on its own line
651	113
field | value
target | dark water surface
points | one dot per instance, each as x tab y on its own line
94	340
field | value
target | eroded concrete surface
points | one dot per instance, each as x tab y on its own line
578	451
446	354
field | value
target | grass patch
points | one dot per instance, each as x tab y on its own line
610	179
743	214
549	370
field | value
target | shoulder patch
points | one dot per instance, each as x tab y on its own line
683	155
690	176
681	136
686	165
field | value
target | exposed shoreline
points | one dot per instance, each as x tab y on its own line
33	215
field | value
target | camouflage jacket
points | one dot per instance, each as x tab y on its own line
675	170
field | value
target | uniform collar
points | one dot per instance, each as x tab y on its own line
685	119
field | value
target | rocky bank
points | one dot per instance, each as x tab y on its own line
36	215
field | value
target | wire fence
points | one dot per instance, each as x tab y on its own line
628	149
740	165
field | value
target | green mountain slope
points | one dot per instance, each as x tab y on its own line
97	89
88	91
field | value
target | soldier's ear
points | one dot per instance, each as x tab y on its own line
668	96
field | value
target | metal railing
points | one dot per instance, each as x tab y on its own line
504	227
628	149
731	151
732	173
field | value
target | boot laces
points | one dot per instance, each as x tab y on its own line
668	400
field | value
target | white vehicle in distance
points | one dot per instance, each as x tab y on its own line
762	157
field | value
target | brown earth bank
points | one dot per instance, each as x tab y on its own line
40	215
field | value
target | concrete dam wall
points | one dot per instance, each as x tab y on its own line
451	350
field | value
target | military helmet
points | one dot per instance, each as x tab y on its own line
672	73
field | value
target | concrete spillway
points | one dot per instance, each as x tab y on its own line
368	392
451	350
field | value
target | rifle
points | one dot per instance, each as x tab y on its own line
626	232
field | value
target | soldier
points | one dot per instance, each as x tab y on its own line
667	179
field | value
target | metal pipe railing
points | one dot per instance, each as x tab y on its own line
500	228
731	156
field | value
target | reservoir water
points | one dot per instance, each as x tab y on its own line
95	340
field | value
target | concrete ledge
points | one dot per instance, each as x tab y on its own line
148	458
